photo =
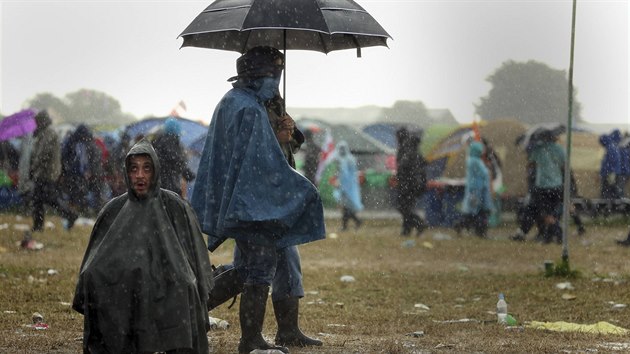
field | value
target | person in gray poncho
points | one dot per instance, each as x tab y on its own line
145	277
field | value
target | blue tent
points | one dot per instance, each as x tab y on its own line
191	130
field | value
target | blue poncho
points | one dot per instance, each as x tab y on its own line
245	188
477	191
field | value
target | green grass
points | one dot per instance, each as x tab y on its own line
457	279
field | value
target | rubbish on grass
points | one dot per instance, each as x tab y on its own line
565	286
333	235
416	334
568	297
601	327
619	306
427	244
422	307
408	244
347	279
461	320
462	268
510	320
31	245
616	346
38	321
49	225
4	226
39	326
438	236
37	317
217	323
81	221
21	227
52	271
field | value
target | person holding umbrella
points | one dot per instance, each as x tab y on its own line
246	190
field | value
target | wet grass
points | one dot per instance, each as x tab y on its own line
440	285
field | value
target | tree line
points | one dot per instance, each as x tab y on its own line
531	92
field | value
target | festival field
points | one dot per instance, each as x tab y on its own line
431	294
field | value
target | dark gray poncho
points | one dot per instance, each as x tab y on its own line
144	280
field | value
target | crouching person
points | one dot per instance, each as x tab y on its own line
145	277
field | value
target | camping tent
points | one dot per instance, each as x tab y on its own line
375	161
191	130
449	156
386	132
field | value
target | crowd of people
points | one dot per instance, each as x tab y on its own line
146	282
75	174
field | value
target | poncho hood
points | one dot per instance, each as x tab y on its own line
144	147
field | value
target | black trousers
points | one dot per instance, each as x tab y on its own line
47	193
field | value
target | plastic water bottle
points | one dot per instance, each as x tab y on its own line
502	310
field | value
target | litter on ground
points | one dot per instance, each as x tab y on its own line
601	327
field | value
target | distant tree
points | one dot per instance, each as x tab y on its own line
83	106
55	106
531	92
93	107
407	111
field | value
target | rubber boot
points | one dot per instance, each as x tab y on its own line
252	316
227	285
289	333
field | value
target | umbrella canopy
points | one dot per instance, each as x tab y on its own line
317	25
17	124
540	131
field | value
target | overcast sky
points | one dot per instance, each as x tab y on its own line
441	53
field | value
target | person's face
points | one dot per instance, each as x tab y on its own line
140	171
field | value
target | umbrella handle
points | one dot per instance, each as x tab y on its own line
354	39
284	77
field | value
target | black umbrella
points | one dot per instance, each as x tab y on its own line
542	131
316	25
